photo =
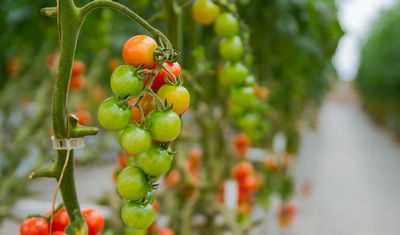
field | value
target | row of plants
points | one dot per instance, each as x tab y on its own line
252	69
377	79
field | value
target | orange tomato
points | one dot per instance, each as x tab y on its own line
139	51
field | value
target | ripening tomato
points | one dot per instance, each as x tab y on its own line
78	68
164	126
226	25
204	12
139	51
112	116
58	233
135	139
34	226
248	183
177	96
94	221
231	49
155	162
242	144
124	82
148	104
84	117
242	170
162	75
172	178
136	215
132	183
232	74
166	231
76	82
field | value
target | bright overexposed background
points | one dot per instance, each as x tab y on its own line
357	18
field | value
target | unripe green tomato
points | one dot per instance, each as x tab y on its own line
132	183
204	12
137	215
231	49
112	116
164	126
155	162
232	74
226	25
124	82
243	96
135	139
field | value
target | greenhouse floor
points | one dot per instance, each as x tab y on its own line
347	171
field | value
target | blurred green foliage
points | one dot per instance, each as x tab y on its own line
378	78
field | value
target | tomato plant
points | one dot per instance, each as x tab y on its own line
112	116
132	183
176	96
34	226
136	215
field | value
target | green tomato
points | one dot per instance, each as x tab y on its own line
243	96
226	25
232	74
124	82
249	121
136	215
132	183
133	231
112	116
231	49
164	126
135	139
155	162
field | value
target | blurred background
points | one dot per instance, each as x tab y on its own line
322	127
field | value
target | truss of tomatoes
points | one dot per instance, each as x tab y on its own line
145	111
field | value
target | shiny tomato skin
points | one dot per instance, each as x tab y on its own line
139	51
34	226
135	139
132	183
164	126
159	80
136	215
60	219
112	116
94	221
155	162
124	82
177	96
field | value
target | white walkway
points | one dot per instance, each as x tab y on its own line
354	170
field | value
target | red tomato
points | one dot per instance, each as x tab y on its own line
242	169
84	117
242	144
60	219
139	50
76	82
58	233
94	221
34	226
159	80
248	183
78	68
166	231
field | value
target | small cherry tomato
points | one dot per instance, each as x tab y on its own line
233	74
242	170
204	12
139	51
164	126
60	219
177	96
76	82
135	139
226	25
34	226
155	162
159	80
136	215
231	49
78	68
124	82
94	221
112	116
132	183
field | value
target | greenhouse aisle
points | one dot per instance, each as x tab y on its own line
353	170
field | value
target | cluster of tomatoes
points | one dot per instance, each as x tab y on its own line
146	112
59	221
